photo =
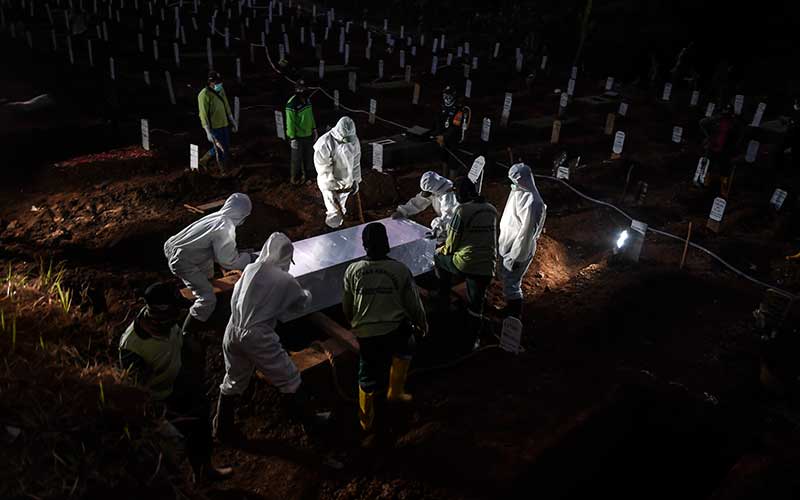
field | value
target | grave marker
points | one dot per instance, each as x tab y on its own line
336	99
145	135
701	173
716	215
147	78
752	151
619	143
738	104
571	87
623	109
710	110
556	133
193	157
415	97
351	81
610	83
468	89
511	335
321	70
677	134
667	92
169	87
762	106
377	156
486	129
373	108
476	172
695	98
778	197
506	109
279	127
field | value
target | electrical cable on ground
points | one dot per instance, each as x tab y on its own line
711	254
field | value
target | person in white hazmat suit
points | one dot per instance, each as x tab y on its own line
337	159
520	227
437	192
265	292
192	252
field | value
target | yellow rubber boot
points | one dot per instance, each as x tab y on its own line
366	409
397	381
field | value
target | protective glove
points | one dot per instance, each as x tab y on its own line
509	263
294	144
234	125
398	215
209	136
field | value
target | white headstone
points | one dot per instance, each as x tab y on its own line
762	106
752	151
468	89
486	129
373	108
449	59
408	73
377	156
402	58
695	98
562	173
380	69
321	71
415	96
434	64
574	73
677	134
279	127
511	335
667	92
336	99
506	109
145	135
639	226
518	63
738	104
563	102
194	157
475	62
476	171
710	109
466	48
111	68
701	172
619	142
571	87
147	78
351	81
623	109
435	45
169	87
177	53
718	210
544	63
610	83
496	50
778	197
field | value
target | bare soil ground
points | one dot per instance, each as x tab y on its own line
637	380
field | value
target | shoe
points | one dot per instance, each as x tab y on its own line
223	424
397	381
298	407
513	308
205	159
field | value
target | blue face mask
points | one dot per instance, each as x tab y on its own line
218	87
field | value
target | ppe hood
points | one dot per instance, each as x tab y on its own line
435	183
278	250
237	207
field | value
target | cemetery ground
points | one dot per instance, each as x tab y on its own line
639	379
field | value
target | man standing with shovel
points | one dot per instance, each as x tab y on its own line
337	159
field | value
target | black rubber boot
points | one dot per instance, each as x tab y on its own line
225	429
298	407
514	308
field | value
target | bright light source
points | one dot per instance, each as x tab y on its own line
623	237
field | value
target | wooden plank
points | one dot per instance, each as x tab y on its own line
221	285
193	209
205	207
313	356
334	330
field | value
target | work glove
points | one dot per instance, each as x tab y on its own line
398	215
234	125
209	136
294	144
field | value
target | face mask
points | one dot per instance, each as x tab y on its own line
218	87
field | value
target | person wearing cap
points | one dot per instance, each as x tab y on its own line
470	251
191	255
151	351
217	119
265	293
448	129
301	130
337	159
520	227
383	307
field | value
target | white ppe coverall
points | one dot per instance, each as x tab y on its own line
192	252
264	293
521	225
337	159
442	199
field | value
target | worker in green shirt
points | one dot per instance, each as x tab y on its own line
152	351
382	305
470	251
301	130
217	119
